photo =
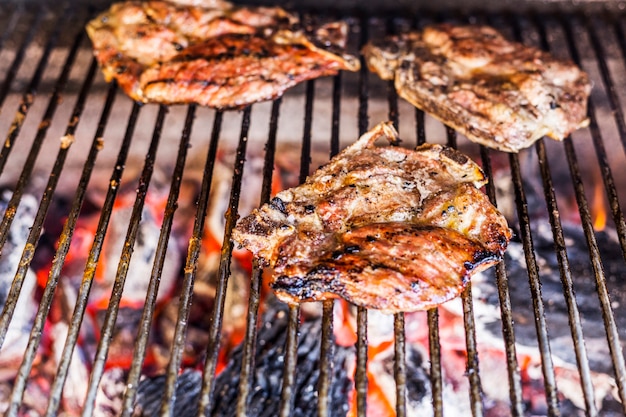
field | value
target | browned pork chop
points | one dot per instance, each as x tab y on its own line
382	226
498	93
212	52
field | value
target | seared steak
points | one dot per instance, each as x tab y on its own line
501	94
384	227
211	52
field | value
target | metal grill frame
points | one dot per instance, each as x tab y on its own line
537	21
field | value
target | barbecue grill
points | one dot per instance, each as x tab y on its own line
75	146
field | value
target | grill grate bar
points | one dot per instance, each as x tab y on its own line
327	344
564	266
27	256
434	349
473	374
289	373
611	88
224	269
143	331
616	109
249	347
399	363
327	352
106	332
360	375
191	264
63	249
95	251
508	332
29	94
469	324
12	16
419	127
21	51
23	180
291	343
567	282
585	215
620	36
547	366
596	263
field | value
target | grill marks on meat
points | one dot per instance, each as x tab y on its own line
501	94
382	226
213	53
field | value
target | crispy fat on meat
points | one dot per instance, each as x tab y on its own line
212	52
498	93
384	227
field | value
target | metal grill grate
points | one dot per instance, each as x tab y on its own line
47	63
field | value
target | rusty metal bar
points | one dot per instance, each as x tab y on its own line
23	180
143	331
611	89
21	51
191	265
434	349
608	316
327	350
28	97
473	371
399	367
616	109
96	249
64	247
254	297
31	242
508	332
547	365
215	329
565	271
543	340
360	375
566	278
106	332
291	345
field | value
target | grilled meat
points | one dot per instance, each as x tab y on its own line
212	53
382	226
498	93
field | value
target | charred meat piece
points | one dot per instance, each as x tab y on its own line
498	93
212	52
384	227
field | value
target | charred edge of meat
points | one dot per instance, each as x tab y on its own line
482	258
321	281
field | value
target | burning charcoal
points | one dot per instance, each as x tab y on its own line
552	292
266	385
138	274
150	395
267	382
486	299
